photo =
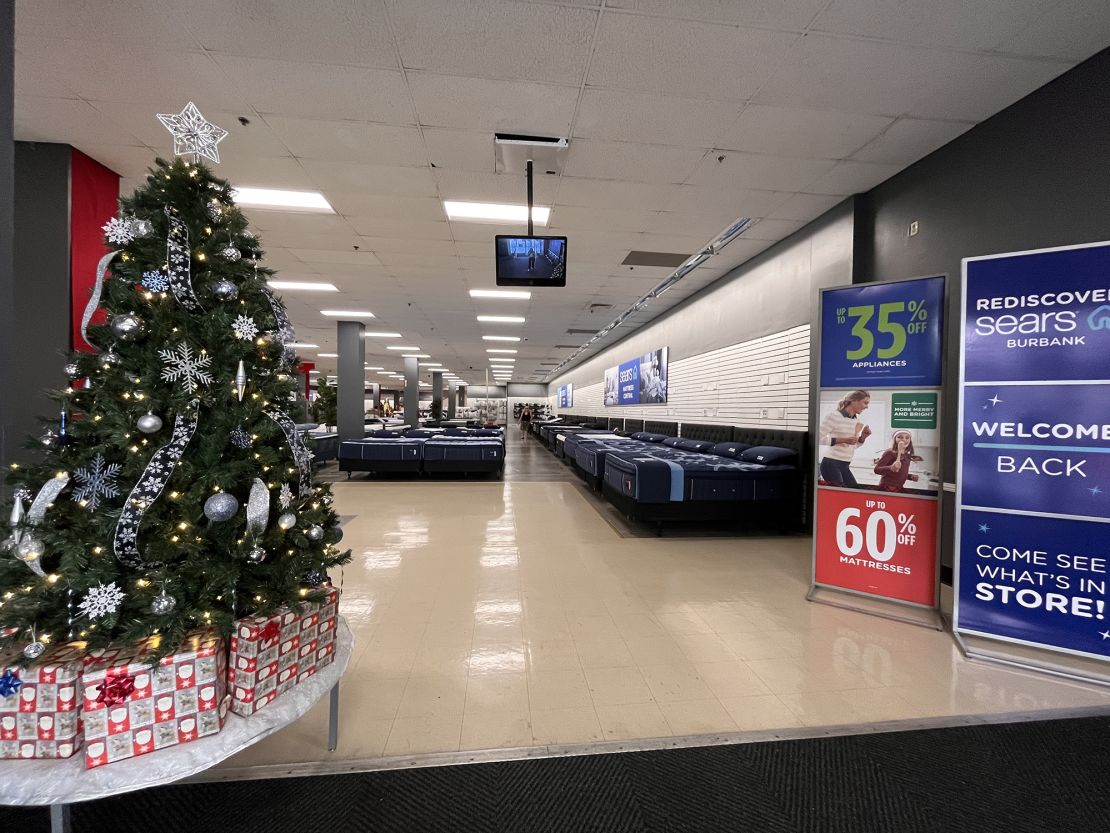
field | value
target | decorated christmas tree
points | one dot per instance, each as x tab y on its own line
326	403
174	492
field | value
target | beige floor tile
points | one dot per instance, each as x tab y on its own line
638	626
558	690
731	679
433	696
423	735
576	725
878	704
760	712
604	653
697	717
497	729
617	686
491	692
372	697
495	658
704	647
687	622
673	683
441	659
551	655
593	626
762	645
823	708
656	651
790	675
633	721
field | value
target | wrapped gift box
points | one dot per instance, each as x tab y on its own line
271	654
39	716
131	708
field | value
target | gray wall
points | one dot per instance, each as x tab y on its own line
41	330
8	421
525	390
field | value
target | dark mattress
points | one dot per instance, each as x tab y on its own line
488	450
382	449
671	475
590	455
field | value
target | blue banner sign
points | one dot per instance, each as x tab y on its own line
883	335
1033	500
566	396
641	381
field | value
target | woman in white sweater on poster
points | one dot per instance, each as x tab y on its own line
839	434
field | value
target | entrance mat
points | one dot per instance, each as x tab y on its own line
1016	778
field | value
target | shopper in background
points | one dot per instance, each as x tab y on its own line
894	465
525	418
839	434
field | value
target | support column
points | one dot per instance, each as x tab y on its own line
350	380
412	392
9	350
437	391
452	399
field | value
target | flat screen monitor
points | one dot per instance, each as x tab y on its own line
531	261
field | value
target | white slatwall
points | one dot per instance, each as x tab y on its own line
762	383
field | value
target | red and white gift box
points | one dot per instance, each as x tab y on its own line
41	719
271	654
131	708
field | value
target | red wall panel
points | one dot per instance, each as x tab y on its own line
93	192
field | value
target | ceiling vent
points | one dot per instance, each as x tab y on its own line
667	260
577	331
511	152
566	346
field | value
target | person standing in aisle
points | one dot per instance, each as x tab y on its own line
525	419
839	434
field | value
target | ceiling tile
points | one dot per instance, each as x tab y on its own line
52	120
378	245
350	141
724	204
124	160
631	161
494	39
360	258
568	217
460	149
1073	30
852	178
254	139
262	172
908	140
703	228
813	134
600	193
805	206
387	226
34	75
415	209
337	177
121	22
502	106
652	119
777	14
765	229
684	58
417	257
755	171
489	187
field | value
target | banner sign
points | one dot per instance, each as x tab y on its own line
641	381
878	441
1033	499
566	396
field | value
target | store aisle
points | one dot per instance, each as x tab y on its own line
510	614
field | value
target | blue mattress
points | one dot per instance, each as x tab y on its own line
671	475
573	440
590	456
382	449
464	449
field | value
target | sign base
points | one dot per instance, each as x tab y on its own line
925	617
1029	658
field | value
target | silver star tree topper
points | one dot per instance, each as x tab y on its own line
193	134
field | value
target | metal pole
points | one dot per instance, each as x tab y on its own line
333	719
529	197
59	818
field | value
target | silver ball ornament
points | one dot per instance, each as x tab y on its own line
221	507
315	533
163	604
30	549
225	290
111	358
231	254
127	327
256	555
287	520
148	423
215	211
337	535
71	370
34	650
49	439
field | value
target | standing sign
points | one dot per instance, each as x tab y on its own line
1033	499
878	440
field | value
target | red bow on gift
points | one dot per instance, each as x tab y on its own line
114	691
271	631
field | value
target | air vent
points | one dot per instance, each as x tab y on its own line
574	331
659	259
566	346
534	141
548	364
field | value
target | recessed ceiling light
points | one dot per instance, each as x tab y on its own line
431	364
502	319
347	313
314	373
277	198
328	355
520	295
303	344
495	212
378	334
386	373
368	367
500	338
395	347
416	355
306	285
499	350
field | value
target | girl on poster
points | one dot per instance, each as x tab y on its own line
894	466
839	434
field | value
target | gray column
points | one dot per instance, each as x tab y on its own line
9	350
452	399
376	396
351	379
412	393
437	390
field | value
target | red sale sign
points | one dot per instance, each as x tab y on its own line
877	543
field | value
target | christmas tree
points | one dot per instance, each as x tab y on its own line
326	404
175	492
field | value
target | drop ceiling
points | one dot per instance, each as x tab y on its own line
682	116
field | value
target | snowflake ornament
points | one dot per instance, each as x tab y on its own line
156	281
183	366
193	134
101	601
244	328
120	230
285	496
96	482
240	438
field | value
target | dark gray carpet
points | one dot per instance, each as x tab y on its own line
1016	778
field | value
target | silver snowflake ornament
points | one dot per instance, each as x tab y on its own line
240	438
244	328
156	281
101	600
96	482
183	366
285	496
119	230
193	134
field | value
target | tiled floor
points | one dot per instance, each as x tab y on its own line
510	614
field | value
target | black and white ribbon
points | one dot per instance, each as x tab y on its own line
179	263
285	326
302	457
150	485
98	289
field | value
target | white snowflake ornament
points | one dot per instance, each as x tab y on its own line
156	281
183	366
285	496
101	600
244	328
96	482
120	230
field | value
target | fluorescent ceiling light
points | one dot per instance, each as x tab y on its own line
305	345
500	338
500	360
368	367
347	313
381	335
276	198
328	355
395	347
431	364
522	295
306	285
386	373
499	350
314	373
502	319
416	355
495	212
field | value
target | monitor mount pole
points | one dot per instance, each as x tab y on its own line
529	174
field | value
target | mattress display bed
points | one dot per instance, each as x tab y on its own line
447	452
381	453
590	452
463	451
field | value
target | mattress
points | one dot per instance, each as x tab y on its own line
464	449
572	441
382	449
671	475
590	456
